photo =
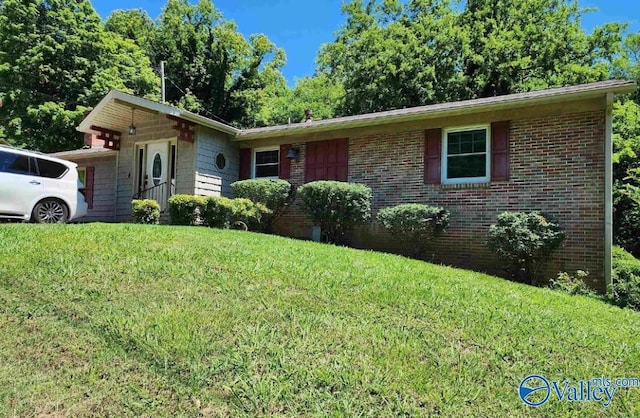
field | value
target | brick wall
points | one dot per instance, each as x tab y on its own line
557	167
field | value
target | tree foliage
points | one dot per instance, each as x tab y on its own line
320	93
55	60
133	24
212	68
393	54
523	45
389	55
626	143
626	169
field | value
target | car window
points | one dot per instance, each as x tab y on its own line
51	169
14	163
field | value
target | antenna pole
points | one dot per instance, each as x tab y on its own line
162	78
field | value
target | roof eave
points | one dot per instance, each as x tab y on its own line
85	125
82	153
425	113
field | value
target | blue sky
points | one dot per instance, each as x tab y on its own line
301	27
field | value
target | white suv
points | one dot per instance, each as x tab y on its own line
39	188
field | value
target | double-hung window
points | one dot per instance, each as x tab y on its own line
465	155
266	162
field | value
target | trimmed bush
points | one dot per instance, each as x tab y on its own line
220	212
216	212
336	206
573	285
524	241
276	195
625	289
415	223
145	211
247	212
185	209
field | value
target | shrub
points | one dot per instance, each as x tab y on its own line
185	209
276	195
216	212
416	224
573	285
625	289
145	211
220	212
627	227
525	241
247	212
336	206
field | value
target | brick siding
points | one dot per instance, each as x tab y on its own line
557	167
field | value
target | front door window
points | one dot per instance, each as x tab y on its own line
157	169
156	172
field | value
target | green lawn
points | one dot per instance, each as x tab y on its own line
130	320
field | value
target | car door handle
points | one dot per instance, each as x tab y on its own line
35	183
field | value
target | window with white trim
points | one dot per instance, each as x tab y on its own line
465	154
266	162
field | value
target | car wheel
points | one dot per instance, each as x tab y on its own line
50	211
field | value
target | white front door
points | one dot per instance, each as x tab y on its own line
157	164
156	173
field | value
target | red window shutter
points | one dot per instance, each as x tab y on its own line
88	187
500	151
327	160
245	163
432	156
338	160
315	157
285	163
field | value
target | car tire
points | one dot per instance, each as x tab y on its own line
50	211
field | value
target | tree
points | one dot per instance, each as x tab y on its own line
626	171
55	60
134	24
211	67
319	93
626	143
627	64
393	54
523	45
389	55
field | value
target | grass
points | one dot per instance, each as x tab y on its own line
130	320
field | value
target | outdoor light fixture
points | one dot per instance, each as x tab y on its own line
293	154
132	127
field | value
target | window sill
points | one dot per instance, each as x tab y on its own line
455	186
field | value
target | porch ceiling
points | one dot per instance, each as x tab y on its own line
114	112
117	116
